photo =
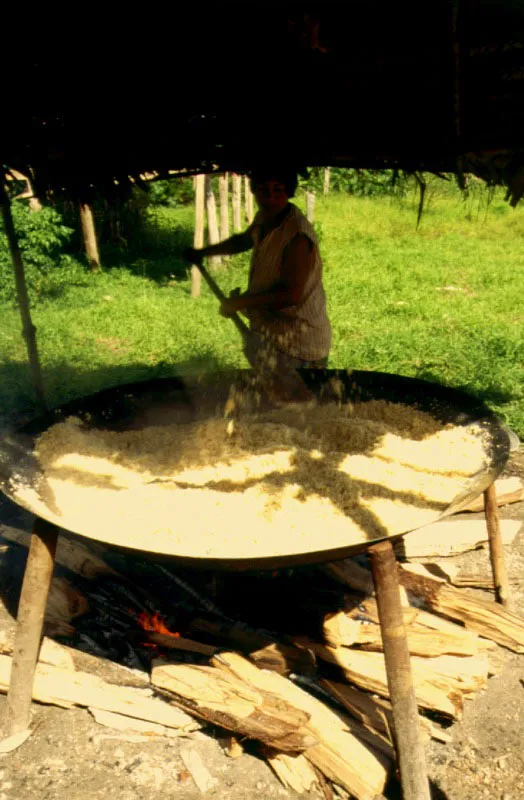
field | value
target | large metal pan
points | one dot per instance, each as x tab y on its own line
175	400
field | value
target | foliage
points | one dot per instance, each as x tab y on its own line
42	237
359	182
173	192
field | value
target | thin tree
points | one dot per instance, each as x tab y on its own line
212	222
236	202
198	238
327	175
249	200
223	184
89	236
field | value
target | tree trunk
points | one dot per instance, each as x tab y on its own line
224	206
198	239
236	202
310	206
327	175
28	329
212	222
89	234
249	200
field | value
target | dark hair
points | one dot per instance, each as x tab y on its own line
285	175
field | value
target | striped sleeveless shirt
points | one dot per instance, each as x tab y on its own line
302	331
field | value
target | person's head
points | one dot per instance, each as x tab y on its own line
273	187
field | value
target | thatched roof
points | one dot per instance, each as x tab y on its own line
432	85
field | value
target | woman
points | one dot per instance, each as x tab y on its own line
285	300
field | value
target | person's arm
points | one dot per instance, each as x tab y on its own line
296	269
239	243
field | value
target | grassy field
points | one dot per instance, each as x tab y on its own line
441	302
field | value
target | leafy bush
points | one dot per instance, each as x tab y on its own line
359	182
175	192
42	236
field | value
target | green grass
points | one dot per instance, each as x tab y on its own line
442	302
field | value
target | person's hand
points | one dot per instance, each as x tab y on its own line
193	256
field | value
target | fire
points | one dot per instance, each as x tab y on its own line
155	623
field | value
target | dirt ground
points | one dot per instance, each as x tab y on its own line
71	757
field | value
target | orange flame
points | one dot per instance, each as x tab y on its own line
155	623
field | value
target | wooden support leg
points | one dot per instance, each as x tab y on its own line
30	620
408	742
496	550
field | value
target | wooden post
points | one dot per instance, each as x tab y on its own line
223	183
198	237
28	329
408	742
236	202
496	550
310	206
327	175
30	620
249	200
89	234
212	222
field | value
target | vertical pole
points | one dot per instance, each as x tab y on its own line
249	200
327	175
236	202
89	233
198	238
496	550
28	329
310	206
223	183
410	750
30	620
212	222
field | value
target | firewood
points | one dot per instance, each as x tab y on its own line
293	770
509	490
263	650
180	643
449	538
61	687
119	722
199	772
375	712
440	683
65	602
340	755
485	617
340	630
232	746
351	574
59	655
69	553
234	704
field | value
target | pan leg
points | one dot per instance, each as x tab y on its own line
496	551
30	620
408	743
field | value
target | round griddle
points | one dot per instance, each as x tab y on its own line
176	400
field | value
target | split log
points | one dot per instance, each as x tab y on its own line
55	686
232	746
70	554
340	755
485	617
449	538
488	619
440	683
199	772
294	771
180	643
234	704
65	602
342	630
50	652
118	722
509	490
261	649
375	712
